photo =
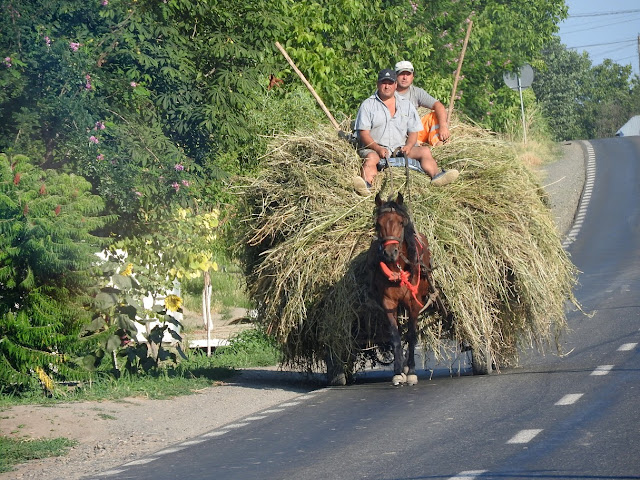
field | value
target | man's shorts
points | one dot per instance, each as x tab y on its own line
431	132
363	152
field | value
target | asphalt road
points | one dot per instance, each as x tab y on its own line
557	417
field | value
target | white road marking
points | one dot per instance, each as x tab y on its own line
217	433
585	198
142	461
468	475
273	410
237	425
569	399
193	442
602	370
289	404
112	472
257	417
170	450
627	346
525	436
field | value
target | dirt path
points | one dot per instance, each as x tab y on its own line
112	433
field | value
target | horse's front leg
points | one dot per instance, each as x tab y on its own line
396	343
412	340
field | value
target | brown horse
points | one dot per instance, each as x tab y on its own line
400	263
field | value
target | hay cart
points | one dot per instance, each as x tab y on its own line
499	261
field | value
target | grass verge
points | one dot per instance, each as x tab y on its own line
15	451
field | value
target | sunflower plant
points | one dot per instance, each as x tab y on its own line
136	324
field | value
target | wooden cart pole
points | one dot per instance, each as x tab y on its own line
308	85
455	82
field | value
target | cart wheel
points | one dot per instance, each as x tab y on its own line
481	363
336	376
384	354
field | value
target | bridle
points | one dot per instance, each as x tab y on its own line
391	239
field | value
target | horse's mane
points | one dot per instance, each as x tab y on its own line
409	229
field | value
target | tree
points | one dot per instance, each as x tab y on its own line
46	259
559	86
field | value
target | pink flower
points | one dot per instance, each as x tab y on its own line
94	140
105	3
74	46
179	167
186	183
47	40
7	62
488	63
100	157
176	185
139	194
99	126
133	84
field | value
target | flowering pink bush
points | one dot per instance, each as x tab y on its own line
74	46
94	139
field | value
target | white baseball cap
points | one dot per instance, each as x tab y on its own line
404	66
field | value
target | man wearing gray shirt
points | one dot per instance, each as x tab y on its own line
436	127
388	124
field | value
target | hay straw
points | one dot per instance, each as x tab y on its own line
499	263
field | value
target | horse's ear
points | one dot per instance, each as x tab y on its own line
378	200
400	199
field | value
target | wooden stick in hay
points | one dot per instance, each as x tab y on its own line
455	82
308	85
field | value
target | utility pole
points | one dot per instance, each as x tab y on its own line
638	52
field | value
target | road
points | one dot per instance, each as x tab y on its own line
574	416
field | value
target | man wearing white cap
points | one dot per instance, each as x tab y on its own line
436	127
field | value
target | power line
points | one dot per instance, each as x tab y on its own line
602	44
599	14
596	24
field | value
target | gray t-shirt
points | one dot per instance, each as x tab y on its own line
419	97
388	131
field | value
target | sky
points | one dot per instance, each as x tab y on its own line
604	29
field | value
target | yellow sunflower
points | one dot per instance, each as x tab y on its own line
173	303
127	271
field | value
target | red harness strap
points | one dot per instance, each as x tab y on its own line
403	277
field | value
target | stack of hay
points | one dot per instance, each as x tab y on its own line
498	259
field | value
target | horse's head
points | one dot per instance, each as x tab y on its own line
391	219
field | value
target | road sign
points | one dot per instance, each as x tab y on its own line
518	81
522	79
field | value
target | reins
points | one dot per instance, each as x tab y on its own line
403	277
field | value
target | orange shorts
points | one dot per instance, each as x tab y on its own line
431	132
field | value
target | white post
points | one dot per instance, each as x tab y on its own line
524	128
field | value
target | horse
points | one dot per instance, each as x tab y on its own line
399	262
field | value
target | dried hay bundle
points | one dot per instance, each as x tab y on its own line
499	264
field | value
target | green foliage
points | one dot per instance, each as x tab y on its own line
16	451
582	101
46	260
558	86
251	347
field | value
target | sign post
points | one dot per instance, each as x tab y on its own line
518	81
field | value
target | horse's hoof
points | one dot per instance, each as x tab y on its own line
399	379
412	379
